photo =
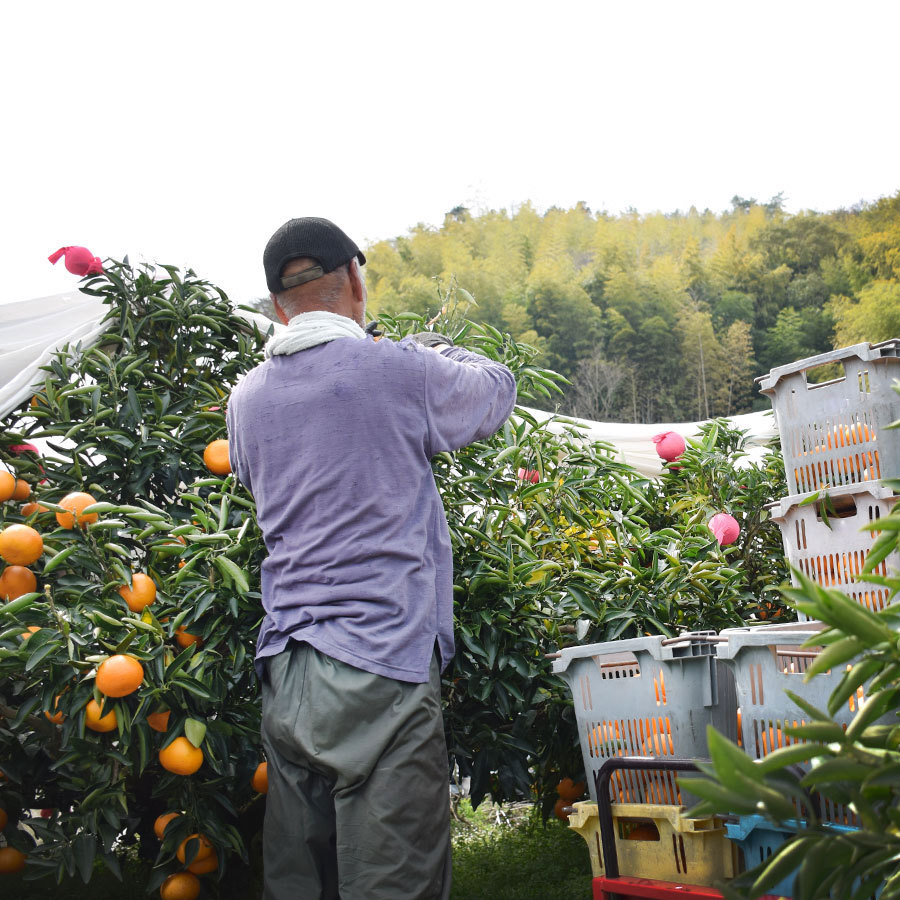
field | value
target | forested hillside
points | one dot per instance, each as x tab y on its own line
658	317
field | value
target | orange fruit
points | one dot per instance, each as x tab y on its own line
185	639
181	757
11	860
560	807
33	507
15	581
159	826
7	486
4	818
201	849
75	503
119	675
159	721
569	790
31	630
56	717
260	780
20	545
180	886
216	457
96	720
141	593
205	866
22	490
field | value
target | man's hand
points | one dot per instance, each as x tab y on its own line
432	339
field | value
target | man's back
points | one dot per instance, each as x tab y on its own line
334	442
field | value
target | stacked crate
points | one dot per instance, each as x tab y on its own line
650	697
767	662
837	448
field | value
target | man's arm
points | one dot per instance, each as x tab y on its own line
235	454
467	397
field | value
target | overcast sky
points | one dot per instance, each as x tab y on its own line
186	132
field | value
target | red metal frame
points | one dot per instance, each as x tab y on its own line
627	888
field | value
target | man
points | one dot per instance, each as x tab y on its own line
333	434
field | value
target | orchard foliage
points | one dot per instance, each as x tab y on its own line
552	536
659	317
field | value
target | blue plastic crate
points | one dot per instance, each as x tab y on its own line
758	839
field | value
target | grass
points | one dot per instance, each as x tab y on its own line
518	859
499	853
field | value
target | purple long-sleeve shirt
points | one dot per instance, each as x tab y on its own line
334	443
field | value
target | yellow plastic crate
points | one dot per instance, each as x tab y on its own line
656	841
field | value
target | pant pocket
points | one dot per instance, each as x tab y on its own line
283	695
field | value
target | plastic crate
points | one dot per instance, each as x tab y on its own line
658	841
650	697
825	541
835	433
766	661
758	839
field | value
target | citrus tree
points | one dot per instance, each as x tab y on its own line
129	701
126	676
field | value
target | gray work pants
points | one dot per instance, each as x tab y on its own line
358	804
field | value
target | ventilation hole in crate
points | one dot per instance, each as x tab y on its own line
618	665
682	854
756	684
584	686
599	851
770	735
793	661
638	830
740	732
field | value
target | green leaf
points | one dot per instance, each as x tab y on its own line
790	755
233	572
85	848
835	655
195	731
783	862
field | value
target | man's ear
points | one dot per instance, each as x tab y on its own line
279	310
357	285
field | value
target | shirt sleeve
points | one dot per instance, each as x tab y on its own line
467	397
235	448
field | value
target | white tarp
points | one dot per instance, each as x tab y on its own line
32	330
30	333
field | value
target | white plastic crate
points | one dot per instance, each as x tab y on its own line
648	696
767	661
825	541
835	433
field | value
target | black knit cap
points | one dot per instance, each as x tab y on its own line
310	236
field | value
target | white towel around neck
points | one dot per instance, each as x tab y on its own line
310	329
